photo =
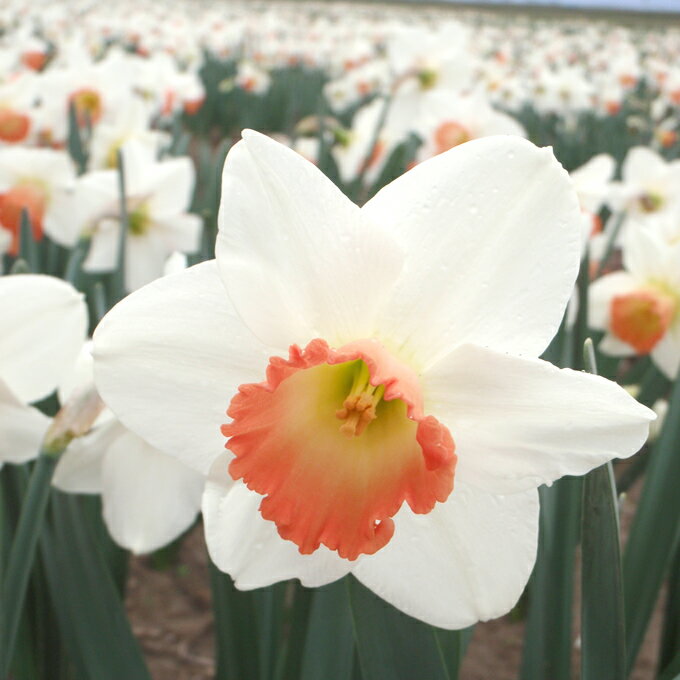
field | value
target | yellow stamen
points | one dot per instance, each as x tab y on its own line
358	409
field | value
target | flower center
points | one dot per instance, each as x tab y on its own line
14	126
34	60
30	195
331	483
358	409
642	317
427	77
450	134
138	220
650	202
88	105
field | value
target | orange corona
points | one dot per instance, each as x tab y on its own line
336	441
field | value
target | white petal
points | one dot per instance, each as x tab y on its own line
518	423
80	467
642	164
611	345
600	295
22	428
466	561
145	258
643	253
169	358
296	256
148	497
102	255
181	232
173	187
491	229
666	355
248	547
43	322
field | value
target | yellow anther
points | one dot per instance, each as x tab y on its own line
358	409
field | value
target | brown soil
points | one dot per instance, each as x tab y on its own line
171	616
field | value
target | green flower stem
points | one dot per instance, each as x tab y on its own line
22	553
649	549
73	420
603	654
611	244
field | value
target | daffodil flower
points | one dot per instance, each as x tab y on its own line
158	195
148	497
639	306
387	414
43	322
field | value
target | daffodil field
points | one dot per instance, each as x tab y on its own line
382	302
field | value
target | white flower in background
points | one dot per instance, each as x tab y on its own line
97	92
449	119
649	188
34	52
252	78
341	93
148	497
158	195
418	363
639	307
568	91
43	322
367	145
132	123
17	99
592	182
185	92
426	59
32	180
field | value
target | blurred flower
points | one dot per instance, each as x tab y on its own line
251	78
449	120
639	307
31	180
43	322
158	195
148	497
648	188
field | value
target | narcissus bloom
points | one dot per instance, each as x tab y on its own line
639	307
43	322
30	180
158	195
386	412
148	497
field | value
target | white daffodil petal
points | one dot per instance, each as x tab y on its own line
43	322
518	423
102	254
22	428
611	345
148	497
601	293
80	467
466	561
173	187
181	232
145	258
296	256
492	233
643	253
169	358
666	354
642	163
248	547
